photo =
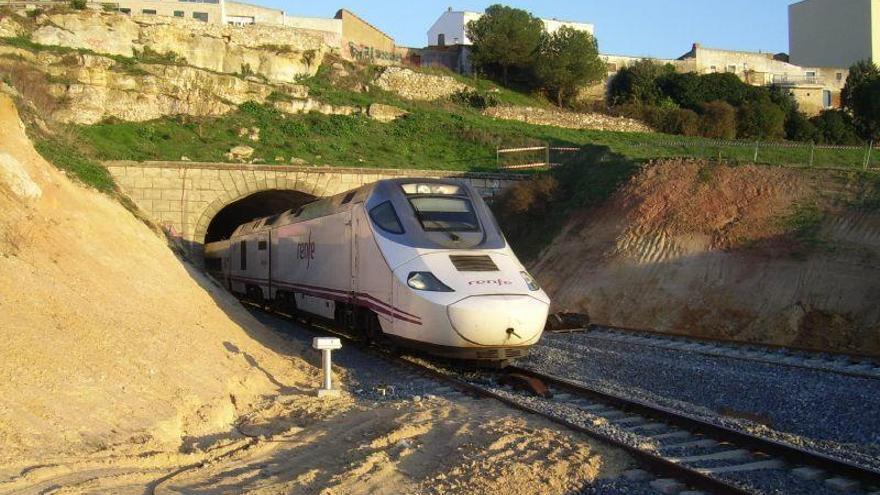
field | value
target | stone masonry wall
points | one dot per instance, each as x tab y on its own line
571	120
184	197
414	85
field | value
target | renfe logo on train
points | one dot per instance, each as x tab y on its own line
306	250
499	282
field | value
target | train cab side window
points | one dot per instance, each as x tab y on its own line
244	255
348	197
386	218
262	245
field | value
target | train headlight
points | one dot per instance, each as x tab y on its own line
530	281
426	281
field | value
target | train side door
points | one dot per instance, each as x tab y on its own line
353	223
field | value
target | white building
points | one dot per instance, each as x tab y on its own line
834	33
451	28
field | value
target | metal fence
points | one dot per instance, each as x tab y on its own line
789	154
530	157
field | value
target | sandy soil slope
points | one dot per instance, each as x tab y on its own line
124	371
707	250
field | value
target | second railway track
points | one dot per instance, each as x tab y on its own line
678	453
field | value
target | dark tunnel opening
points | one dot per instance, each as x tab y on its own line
256	205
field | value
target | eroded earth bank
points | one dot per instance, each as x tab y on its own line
761	254
124	370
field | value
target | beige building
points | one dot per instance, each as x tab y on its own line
834	33
815	88
354	37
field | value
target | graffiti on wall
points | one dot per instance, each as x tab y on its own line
369	54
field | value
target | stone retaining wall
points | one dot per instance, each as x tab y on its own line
571	120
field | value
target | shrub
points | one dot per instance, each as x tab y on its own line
760	120
835	127
530	197
680	121
718	120
799	128
476	99
78	4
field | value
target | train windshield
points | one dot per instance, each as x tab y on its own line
445	213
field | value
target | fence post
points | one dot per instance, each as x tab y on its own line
547	155
812	152
868	155
757	144
497	157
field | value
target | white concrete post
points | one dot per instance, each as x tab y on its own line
327	345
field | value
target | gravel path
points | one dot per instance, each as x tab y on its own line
830	413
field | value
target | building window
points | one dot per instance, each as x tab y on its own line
149	12
731	69
441	39
200	16
713	69
839	76
125	11
178	13
826	99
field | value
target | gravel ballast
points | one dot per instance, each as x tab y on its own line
827	412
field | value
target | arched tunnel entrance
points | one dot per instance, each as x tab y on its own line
257	205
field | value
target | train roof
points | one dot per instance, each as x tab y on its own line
330	205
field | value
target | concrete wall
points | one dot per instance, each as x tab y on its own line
833	33
184	197
875	31
363	41
260	15
168	8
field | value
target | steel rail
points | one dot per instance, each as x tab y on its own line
652	462
790	453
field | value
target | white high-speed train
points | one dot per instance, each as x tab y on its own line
417	263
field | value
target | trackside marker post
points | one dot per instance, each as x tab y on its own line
327	345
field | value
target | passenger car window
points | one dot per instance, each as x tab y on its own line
385	217
445	214
243	255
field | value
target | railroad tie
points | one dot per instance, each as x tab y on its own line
718	456
752	466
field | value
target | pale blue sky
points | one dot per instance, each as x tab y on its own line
624	27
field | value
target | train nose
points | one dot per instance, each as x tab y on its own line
499	320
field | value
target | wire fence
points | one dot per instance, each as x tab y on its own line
789	154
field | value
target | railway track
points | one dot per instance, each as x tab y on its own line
730	456
678	454
845	364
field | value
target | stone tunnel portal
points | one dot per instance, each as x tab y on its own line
257	205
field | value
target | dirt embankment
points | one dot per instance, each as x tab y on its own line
771	255
123	370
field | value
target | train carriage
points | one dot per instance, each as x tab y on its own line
419	263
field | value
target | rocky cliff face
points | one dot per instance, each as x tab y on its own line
276	54
87	88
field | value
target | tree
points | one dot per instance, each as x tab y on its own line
859	74
861	96
638	84
568	60
505	38
761	120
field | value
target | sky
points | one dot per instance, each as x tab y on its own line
655	28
